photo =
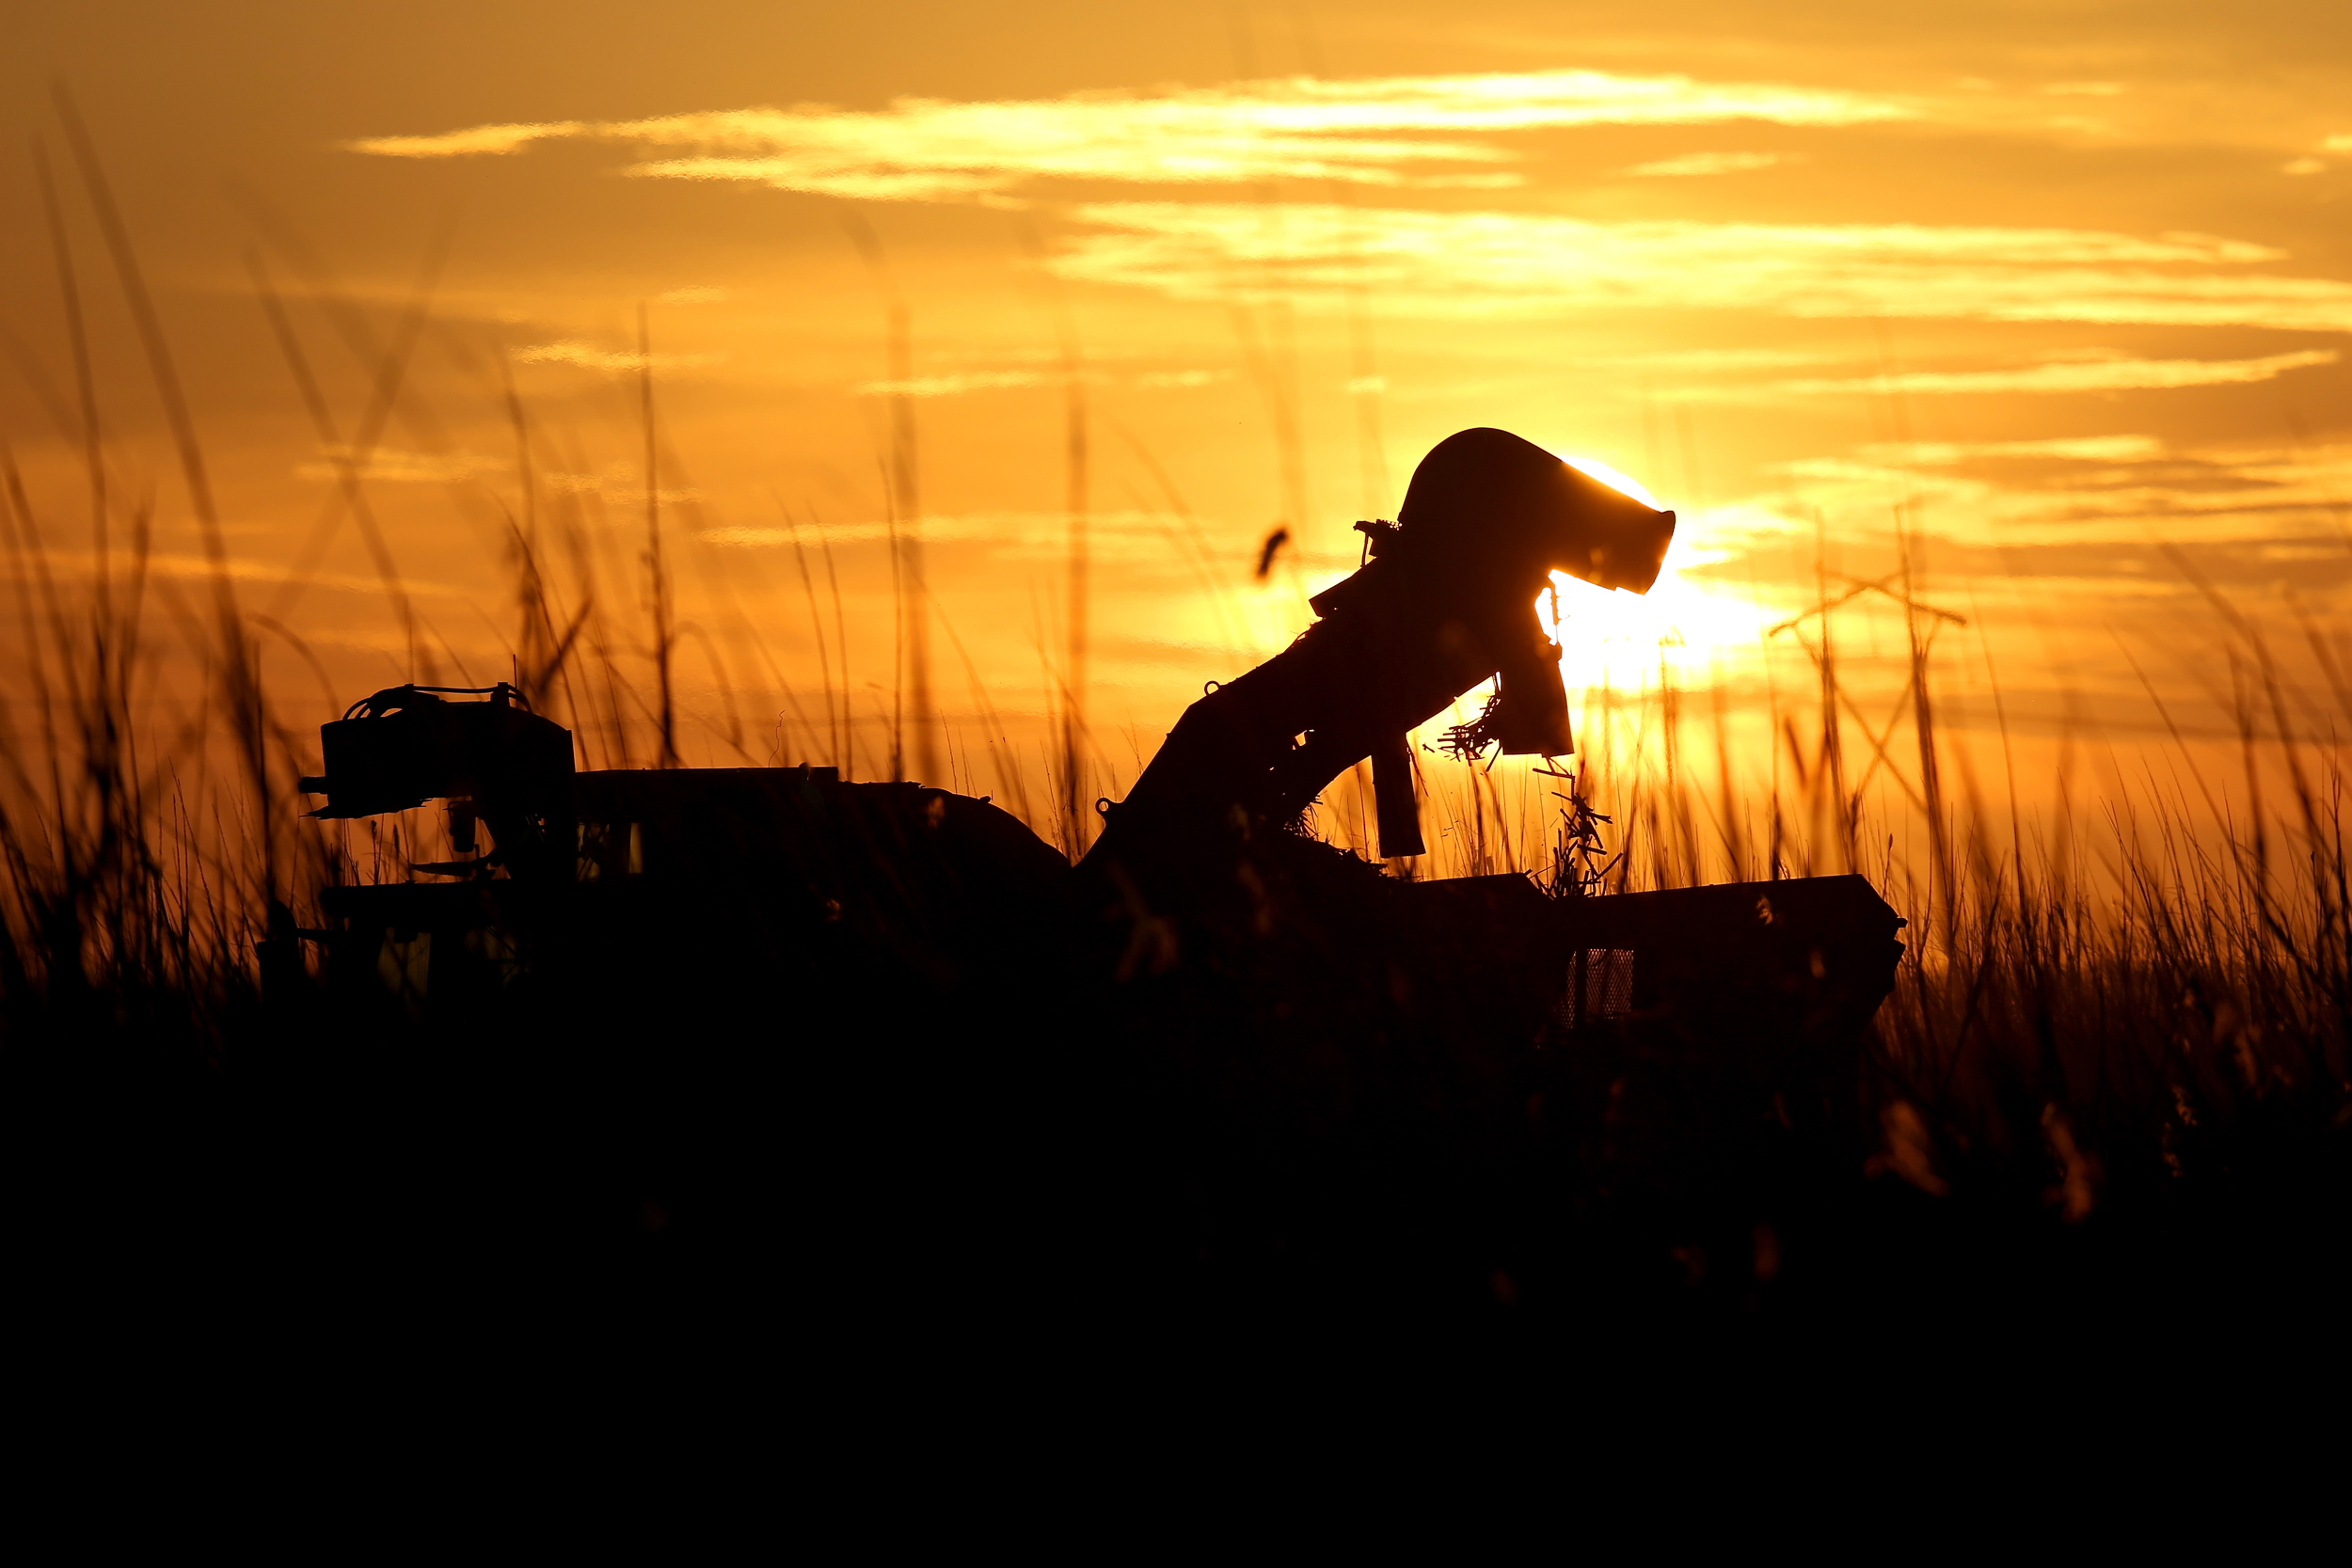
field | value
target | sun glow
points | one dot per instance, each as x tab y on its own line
1617	480
1688	622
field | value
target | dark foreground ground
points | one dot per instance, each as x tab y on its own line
393	1214
700	1149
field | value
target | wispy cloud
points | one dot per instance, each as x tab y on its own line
2097	376
389	465
1204	378
1695	163
2080	449
475	141
953	385
1707	361
1516	264
2118	490
1382	131
1133	535
588	356
272	568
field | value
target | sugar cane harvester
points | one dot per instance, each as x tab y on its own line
1444	601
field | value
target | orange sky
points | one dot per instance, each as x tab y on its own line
2066	286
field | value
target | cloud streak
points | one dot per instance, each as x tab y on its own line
388	465
2097	376
2118	490
2077	449
953	385
1386	130
1126	534
587	355
1501	263
1691	164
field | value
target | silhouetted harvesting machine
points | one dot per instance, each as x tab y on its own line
740	876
